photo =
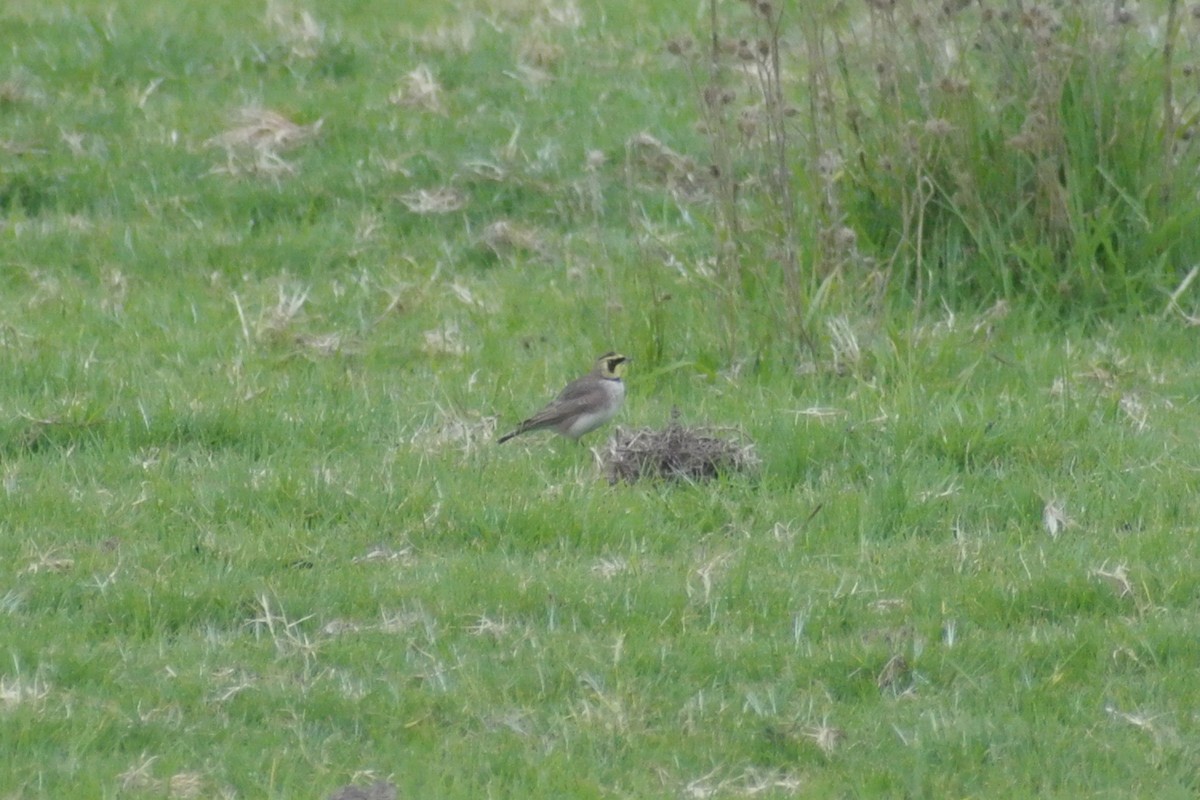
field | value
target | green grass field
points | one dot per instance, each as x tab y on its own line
257	539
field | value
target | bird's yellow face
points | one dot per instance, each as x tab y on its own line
612	365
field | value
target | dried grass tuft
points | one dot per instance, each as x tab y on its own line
751	783
1054	517
48	561
896	676
300	31
279	325
1116	579
651	160
1135	410
381	552
843	340
504	238
139	779
419	90
434	201
264	129
444	341
325	345
257	138
826	737
276	322
677	452
18	691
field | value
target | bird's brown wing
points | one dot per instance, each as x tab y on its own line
581	389
577	397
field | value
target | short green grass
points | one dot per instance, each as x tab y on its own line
256	539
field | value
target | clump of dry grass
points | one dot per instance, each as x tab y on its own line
67	427
49	561
650	160
276	321
504	238
257	138
419	89
298	29
279	324
445	340
677	452
444	200
139	779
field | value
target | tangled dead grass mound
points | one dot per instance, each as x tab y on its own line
677	452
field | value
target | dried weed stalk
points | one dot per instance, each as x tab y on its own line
751	143
960	150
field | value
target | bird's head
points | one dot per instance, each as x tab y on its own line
611	365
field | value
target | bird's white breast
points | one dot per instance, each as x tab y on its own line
586	423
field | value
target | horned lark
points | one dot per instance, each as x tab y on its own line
586	403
